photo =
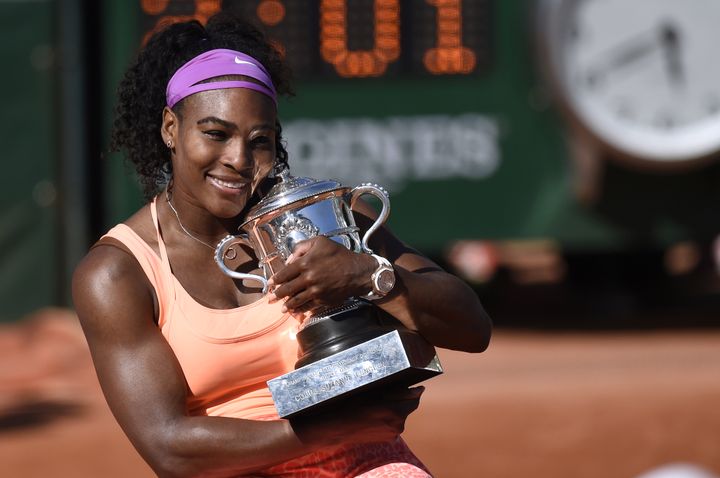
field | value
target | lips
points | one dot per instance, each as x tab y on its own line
229	183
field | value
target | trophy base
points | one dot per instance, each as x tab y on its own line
399	357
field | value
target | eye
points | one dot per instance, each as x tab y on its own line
216	134
262	141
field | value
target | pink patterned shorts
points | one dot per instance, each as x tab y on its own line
374	460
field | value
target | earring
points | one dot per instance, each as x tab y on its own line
169	143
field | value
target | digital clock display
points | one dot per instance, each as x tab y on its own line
357	38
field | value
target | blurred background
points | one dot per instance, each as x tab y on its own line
562	156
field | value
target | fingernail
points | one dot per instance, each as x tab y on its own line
290	258
284	309
272	297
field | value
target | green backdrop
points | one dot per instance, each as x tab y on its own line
30	239
528	195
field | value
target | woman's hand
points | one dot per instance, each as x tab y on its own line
366	418
321	273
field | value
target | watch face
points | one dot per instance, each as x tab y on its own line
386	281
642	76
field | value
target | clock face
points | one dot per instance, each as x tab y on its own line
642	76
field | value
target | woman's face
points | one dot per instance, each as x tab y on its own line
224	145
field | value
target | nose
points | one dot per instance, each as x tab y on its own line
237	156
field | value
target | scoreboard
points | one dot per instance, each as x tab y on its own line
440	101
357	38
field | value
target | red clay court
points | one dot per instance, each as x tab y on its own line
555	405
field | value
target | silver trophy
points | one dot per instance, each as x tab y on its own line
343	350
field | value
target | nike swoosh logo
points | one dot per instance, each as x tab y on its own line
240	62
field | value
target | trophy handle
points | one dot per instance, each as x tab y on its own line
384	198
220	254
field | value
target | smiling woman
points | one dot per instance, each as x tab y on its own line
182	351
223	138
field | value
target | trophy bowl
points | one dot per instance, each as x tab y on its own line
343	350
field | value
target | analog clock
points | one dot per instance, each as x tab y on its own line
641	78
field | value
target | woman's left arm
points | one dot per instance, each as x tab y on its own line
438	305
425	298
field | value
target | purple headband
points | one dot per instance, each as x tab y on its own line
216	63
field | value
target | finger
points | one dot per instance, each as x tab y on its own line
413	393
299	302
308	309
418	391
307	306
284	275
299	316
290	289
300	249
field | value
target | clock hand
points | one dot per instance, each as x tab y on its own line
671	43
626	53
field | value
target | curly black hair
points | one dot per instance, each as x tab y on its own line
141	94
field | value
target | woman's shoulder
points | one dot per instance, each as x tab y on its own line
110	270
109	263
109	286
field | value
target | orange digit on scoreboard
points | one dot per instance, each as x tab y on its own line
450	56
359	63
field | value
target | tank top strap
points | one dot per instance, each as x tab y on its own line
161	244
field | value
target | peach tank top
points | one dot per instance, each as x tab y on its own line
227	357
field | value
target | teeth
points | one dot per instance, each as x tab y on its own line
228	184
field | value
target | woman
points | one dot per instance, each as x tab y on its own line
181	350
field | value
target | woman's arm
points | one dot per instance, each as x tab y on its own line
146	391
425	298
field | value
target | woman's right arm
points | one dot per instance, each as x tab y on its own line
146	390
